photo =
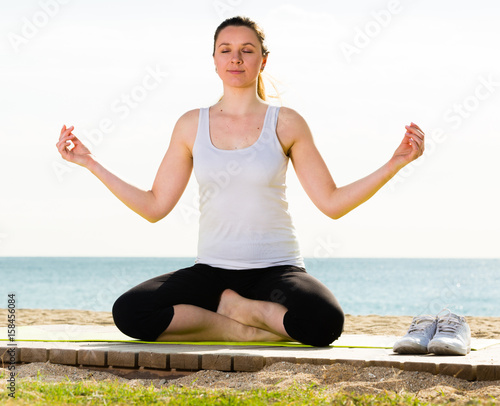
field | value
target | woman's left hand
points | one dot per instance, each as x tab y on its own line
411	147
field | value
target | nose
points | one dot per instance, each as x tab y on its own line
236	57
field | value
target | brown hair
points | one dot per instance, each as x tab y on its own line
239	21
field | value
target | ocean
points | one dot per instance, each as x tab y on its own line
383	286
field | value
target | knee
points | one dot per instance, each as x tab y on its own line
336	325
128	316
124	315
139	318
316	328
327	328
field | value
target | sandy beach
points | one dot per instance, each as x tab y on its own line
481	327
281	376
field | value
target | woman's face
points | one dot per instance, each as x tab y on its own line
238	56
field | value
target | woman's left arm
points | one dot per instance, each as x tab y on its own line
316	179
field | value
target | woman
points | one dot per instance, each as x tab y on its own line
249	281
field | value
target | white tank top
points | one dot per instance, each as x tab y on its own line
244	217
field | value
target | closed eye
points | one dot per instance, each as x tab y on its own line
245	52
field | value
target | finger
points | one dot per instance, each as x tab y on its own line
62	147
415	140
415	151
74	140
413	144
67	135
413	132
65	138
66	130
414	136
416	126
416	129
63	150
60	142
63	128
417	146
419	137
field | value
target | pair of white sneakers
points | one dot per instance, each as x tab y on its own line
443	335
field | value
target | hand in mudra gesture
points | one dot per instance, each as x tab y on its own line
411	147
71	148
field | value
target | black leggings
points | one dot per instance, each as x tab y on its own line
314	316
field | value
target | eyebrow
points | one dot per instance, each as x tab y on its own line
246	43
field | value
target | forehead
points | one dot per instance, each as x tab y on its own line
235	35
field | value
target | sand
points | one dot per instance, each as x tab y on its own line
282	375
481	327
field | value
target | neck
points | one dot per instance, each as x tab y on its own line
240	101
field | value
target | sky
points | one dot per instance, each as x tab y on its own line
123	72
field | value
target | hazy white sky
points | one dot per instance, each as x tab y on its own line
122	72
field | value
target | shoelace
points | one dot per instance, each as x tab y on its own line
419	324
449	325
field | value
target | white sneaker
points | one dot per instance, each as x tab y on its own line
452	336
421	331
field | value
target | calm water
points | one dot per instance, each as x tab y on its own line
363	286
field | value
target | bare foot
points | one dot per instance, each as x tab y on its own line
234	306
265	317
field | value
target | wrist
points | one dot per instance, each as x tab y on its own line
91	164
393	167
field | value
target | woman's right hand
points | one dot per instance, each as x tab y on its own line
72	149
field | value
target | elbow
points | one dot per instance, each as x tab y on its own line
154	217
335	215
332	207
332	211
157	215
153	211
332	214
336	208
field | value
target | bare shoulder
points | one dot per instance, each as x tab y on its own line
291	127
188	121
186	128
290	117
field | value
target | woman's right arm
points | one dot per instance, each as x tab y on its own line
171	179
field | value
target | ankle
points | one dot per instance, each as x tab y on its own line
245	333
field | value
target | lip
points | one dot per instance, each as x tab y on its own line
236	71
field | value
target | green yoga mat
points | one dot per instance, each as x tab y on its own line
77	333
95	334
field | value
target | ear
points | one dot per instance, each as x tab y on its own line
264	61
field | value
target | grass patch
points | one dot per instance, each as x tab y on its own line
115	393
